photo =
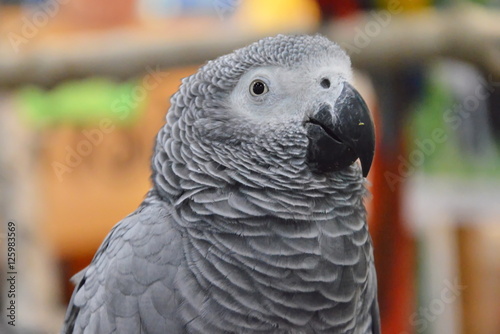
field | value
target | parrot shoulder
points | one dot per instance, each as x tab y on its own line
129	285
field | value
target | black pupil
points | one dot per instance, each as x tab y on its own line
325	83
258	88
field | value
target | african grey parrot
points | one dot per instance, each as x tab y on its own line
255	222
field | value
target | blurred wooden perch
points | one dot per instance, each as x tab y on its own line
120	53
467	32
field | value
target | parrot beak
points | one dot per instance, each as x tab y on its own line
339	136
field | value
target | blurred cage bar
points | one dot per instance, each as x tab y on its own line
84	86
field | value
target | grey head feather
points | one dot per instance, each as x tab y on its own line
206	138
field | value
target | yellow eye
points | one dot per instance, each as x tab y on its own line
258	87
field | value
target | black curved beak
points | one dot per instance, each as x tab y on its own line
340	135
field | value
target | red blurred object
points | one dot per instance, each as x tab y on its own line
337	8
393	247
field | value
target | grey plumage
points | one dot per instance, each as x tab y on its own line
239	234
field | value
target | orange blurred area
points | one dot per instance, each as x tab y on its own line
117	167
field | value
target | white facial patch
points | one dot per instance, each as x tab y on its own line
289	93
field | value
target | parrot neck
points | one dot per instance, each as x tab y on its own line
271	267
267	249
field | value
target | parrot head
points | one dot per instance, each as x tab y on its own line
282	105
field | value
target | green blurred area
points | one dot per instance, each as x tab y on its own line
82	103
447	158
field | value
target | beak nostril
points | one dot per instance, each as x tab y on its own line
325	83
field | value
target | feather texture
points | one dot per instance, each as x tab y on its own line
238	234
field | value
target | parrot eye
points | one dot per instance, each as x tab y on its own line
325	83
258	87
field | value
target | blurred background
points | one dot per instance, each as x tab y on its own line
85	86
